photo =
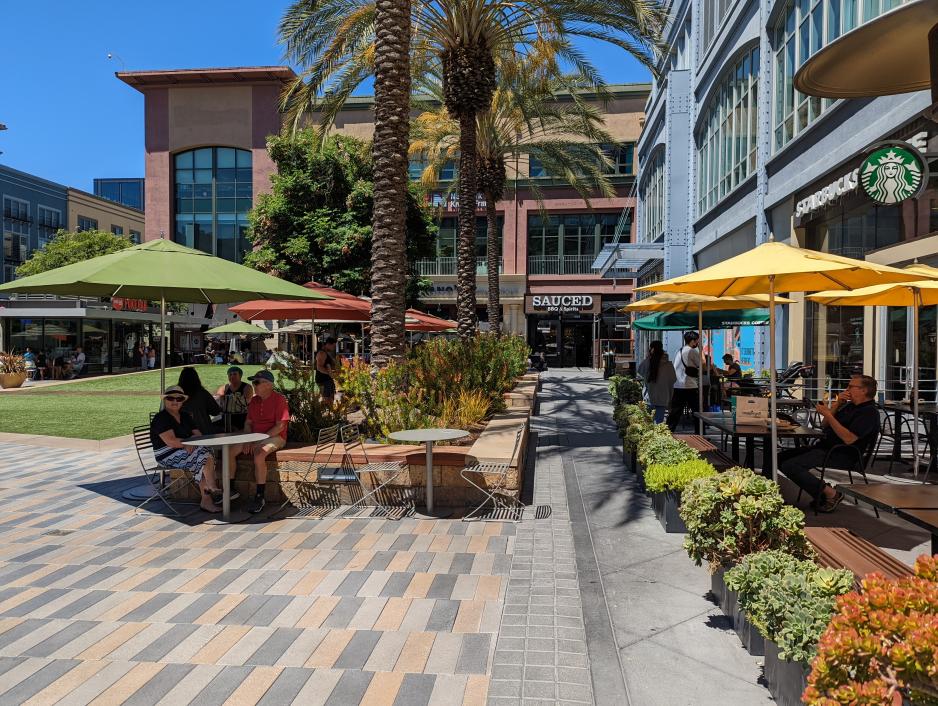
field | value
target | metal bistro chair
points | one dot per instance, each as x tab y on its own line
888	432
352	441
155	471
325	443
860	462
504	506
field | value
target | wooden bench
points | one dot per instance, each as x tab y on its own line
707	450
696	442
719	460
839	548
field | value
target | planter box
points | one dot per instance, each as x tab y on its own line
787	680
728	601
665	506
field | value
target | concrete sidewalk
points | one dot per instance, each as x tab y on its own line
654	636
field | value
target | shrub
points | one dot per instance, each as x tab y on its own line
737	513
881	647
660	477
625	390
789	600
308	414
657	446
633	420
465	409
12	363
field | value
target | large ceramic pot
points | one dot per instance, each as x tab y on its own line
8	380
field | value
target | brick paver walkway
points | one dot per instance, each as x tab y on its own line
98	605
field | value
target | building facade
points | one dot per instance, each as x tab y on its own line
89	212
732	155
206	161
33	210
129	192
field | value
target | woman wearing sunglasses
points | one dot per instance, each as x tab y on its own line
168	430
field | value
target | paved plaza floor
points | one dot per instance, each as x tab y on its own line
588	603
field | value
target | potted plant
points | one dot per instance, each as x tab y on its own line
665	483
785	603
657	446
12	370
734	514
633	420
881	646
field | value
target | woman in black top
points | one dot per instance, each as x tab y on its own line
200	403
234	397
326	368
169	428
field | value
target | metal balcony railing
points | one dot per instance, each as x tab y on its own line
447	266
561	264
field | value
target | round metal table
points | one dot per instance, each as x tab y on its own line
224	441
427	437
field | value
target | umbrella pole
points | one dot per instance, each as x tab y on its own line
917	300
700	374
773	451
162	342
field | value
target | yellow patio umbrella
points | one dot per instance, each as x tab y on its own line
909	294
683	302
778	267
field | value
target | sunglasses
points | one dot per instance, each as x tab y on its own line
175	399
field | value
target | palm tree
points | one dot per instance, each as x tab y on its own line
548	120
334	43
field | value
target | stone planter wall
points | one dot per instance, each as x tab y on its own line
666	506
495	444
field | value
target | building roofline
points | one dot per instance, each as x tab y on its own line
183	77
20	172
106	202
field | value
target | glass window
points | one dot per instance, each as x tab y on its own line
726	139
622	158
213	190
85	223
567	244
117	230
803	28
49	222
536	168
652	196
135	236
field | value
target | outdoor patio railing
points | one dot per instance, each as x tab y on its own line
561	264
447	266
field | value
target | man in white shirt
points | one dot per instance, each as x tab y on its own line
687	371
78	362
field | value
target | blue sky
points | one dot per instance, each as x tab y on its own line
70	120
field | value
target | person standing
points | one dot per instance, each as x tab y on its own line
151	358
268	413
687	373
658	374
327	367
142	354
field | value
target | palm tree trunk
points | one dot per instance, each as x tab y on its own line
466	256
392	121
493	256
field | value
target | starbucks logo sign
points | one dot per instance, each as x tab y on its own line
892	173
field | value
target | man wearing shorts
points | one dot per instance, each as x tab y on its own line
269	414
327	365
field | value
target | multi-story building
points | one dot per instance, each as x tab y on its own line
206	161
89	212
33	210
130	192
732	154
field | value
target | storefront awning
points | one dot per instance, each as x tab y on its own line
683	321
626	257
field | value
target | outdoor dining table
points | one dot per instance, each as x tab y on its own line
750	432
427	437
928	410
916	503
223	441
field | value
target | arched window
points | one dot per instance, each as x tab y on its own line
726	138
653	193
213	197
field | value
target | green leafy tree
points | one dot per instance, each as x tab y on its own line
316	224
340	43
68	247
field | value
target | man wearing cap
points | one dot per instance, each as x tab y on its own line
234	397
269	414
168	431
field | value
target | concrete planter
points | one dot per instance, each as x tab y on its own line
9	380
787	680
666	506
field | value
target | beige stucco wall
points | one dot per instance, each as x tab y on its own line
106	213
221	116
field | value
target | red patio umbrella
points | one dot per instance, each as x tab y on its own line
341	307
427	323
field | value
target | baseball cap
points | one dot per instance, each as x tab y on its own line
262	375
235	369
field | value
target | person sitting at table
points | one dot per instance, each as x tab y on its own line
78	361
731	374
234	397
200	403
852	420
41	364
168	429
151	358
268	413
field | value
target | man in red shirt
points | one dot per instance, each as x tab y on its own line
268	413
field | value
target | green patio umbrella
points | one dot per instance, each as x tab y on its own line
240	327
683	321
164	271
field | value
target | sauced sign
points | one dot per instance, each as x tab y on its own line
561	302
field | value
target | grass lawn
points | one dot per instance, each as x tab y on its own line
96	415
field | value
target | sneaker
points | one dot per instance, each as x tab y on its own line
829	505
257	505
